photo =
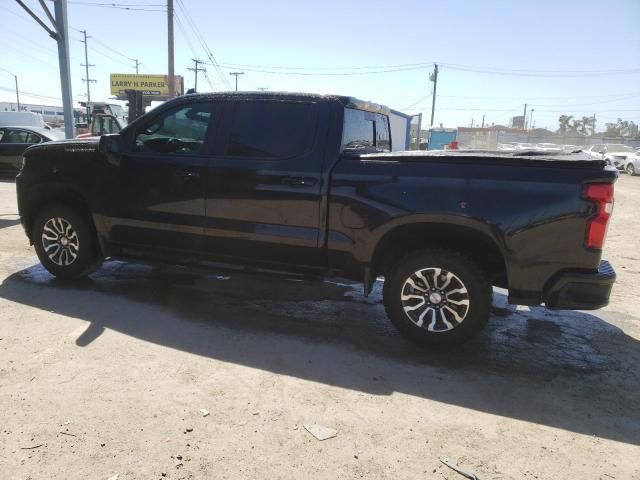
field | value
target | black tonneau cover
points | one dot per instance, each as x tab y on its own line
525	157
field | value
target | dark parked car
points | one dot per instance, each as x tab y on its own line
305	183
15	140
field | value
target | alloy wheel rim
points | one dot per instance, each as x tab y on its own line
435	299
60	241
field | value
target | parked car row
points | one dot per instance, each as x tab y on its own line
621	156
624	157
541	147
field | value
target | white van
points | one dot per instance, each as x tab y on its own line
22	119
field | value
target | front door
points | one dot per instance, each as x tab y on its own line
263	182
158	185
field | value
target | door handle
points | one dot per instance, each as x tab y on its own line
186	174
298	181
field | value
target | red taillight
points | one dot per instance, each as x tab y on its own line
602	195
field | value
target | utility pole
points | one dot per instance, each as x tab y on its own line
594	117
531	118
196	69
137	64
15	77
524	117
235	74
434	78
86	79
59	32
483	120
171	80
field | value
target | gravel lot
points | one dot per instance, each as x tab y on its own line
107	377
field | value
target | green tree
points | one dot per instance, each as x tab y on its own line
565	123
577	126
622	128
587	126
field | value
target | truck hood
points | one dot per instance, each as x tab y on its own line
72	145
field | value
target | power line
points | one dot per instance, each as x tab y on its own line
30	94
452	109
102	44
539	98
204	45
116	6
193	50
452	66
333	74
418	101
370	67
107	47
94	50
541	73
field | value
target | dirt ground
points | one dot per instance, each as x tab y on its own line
108	376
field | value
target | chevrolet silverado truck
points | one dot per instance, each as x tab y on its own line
308	184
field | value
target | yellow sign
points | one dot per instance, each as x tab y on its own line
154	85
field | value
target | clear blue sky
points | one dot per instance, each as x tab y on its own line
550	36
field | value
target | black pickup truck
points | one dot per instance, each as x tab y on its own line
308	183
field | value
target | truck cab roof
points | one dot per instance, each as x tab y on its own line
346	101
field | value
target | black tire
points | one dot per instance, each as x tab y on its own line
61	220
463	275
631	170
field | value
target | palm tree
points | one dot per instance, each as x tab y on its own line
564	122
576	126
588	123
585	123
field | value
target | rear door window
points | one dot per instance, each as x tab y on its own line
365	131
14	135
271	129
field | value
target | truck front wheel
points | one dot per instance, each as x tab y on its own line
64	242
437	298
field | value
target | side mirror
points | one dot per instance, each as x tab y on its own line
112	146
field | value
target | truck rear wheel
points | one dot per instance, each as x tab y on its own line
64	242
437	298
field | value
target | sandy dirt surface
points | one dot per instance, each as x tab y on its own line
107	377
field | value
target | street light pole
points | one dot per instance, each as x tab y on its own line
531	118
15	77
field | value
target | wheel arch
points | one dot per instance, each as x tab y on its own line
58	194
476	241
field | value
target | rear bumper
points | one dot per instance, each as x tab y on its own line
581	290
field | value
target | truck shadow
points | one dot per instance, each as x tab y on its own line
567	370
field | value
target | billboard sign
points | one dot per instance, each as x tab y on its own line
150	85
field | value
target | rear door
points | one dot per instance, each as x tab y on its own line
263	182
157	188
